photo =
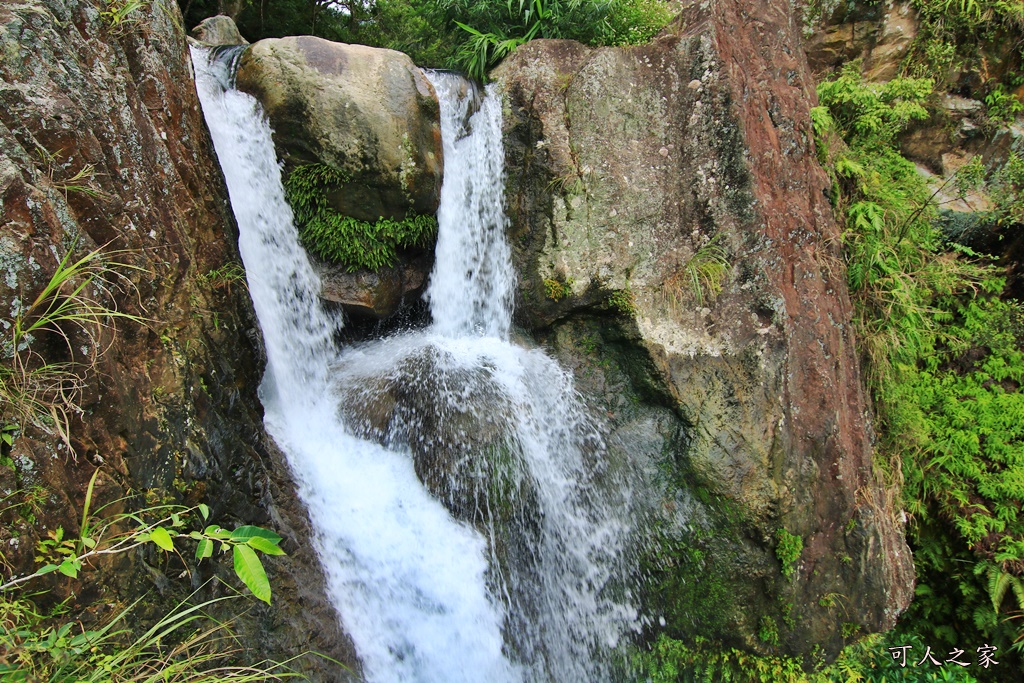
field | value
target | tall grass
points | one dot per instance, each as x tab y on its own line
186	645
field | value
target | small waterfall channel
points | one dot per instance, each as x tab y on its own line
464	518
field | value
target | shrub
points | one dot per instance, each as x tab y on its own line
788	549
493	28
183	645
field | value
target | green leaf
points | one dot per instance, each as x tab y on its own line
250	570
217	532
68	568
243	533
46	569
265	545
160	536
204	510
204	549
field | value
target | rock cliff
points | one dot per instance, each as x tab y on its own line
677	249
103	145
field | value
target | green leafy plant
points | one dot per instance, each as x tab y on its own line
341	239
623	301
768	630
1006	189
1002	106
866	661
556	290
122	15
224	277
952	32
183	645
703	275
492	29
99	538
943	357
787	549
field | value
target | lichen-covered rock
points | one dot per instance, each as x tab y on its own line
367	112
218	30
103	145
640	181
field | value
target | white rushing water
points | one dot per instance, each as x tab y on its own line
451	476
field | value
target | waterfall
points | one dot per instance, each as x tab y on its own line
462	514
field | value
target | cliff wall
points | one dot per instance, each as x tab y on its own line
103	146
677	249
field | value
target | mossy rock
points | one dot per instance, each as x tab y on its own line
368	112
345	240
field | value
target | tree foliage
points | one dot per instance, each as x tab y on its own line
470	35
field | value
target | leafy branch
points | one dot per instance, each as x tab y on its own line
68	556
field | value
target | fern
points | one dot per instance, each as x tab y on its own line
344	240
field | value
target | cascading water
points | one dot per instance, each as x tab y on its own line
454	483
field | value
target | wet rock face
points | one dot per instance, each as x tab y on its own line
653	175
365	111
376	294
455	421
102	144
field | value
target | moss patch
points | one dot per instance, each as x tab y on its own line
344	240
788	551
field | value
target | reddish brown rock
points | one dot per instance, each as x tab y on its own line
624	165
103	145
378	293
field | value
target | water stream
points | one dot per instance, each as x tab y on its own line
465	523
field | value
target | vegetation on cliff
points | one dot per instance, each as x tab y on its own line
42	637
944	360
345	240
943	351
942	346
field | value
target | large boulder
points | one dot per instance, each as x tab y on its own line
367	112
374	294
218	30
640	180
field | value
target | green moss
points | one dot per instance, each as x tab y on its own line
869	660
788	551
768	631
341	239
555	290
623	301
